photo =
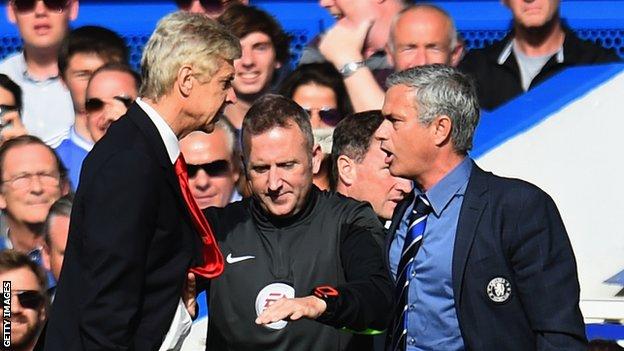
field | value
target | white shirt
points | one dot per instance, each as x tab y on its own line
48	111
181	323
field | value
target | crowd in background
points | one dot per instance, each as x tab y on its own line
59	96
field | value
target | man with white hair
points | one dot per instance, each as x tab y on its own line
136	233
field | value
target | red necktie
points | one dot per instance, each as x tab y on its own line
213	259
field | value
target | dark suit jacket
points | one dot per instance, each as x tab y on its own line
511	229
130	244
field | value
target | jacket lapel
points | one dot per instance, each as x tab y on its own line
397	215
473	206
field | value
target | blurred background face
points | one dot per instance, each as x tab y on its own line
255	68
320	103
375	184
79	70
210	162
108	96
422	37
7	105
30	183
58	231
534	13
212	8
27	318
41	27
279	169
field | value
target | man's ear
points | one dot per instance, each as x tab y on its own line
317	158
345	167
442	127
10	13
389	56
458	52
73	10
184	80
3	203
65	188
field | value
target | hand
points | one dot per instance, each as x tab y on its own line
189	295
292	309
13	126
344	42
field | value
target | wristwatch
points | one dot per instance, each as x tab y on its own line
350	68
330	295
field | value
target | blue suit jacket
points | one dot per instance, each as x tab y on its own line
511	229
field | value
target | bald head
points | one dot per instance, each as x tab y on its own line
422	35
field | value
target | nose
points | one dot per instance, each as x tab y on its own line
419	59
403	185
247	57
16	307
40	8
201	180
275	180
35	185
383	133
230	96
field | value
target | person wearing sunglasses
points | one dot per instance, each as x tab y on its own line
212	161
319	89
110	91
11	125
83	51
48	112
212	8
29	302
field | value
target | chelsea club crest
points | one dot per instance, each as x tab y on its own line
499	289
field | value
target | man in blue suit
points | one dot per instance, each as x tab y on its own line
481	262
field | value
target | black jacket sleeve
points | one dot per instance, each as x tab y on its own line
366	297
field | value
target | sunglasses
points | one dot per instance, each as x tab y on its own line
29	5
31	299
330	116
4	109
214	169
206	4
96	105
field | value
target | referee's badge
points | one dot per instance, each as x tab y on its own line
268	295
499	289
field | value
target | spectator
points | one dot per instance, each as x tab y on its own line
355	46
110	92
423	35
538	46
213	163
48	111
359	167
82	52
265	50
481	262
11	125
29	302
55	233
290	239
212	8
318	88
33	178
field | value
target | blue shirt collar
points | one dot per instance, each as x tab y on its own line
454	183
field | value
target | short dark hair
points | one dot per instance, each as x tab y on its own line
96	40
12	259
353	137
323	74
119	67
61	207
29	140
271	111
243	20
12	87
